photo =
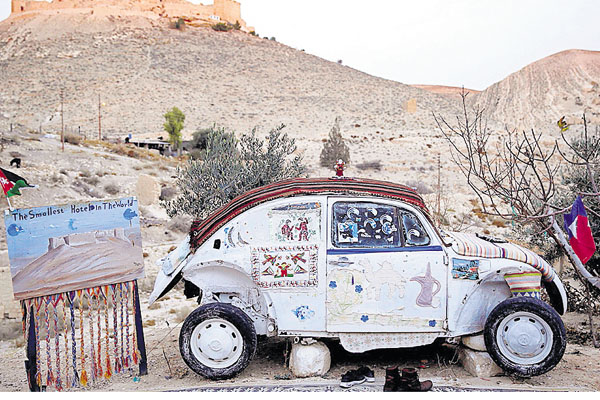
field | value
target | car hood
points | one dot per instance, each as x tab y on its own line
466	244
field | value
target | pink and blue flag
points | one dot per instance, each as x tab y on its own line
580	233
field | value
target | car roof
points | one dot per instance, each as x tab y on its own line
201	230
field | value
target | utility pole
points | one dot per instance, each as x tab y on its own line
99	118
62	124
439	188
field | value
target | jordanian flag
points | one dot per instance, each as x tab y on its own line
11	183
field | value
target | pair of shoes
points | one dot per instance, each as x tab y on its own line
357	376
408	382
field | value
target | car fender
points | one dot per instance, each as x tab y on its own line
557	294
229	283
169	273
482	299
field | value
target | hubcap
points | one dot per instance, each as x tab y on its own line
216	343
524	338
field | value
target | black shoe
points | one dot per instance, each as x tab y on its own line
392	377
409	382
352	378
367	373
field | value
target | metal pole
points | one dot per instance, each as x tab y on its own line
99	119
62	125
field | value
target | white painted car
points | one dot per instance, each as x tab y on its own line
358	260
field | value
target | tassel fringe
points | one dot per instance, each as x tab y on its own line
91	340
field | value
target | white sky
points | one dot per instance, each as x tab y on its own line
468	42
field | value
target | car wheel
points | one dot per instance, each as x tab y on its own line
525	336
217	341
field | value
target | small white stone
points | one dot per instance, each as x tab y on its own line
309	359
475	342
478	363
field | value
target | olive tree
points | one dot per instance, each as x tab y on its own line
173	125
229	167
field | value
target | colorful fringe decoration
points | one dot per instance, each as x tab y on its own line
83	379
58	382
75	379
128	361
66	340
50	374
38	350
108	373
123	363
92	344
97	293
115	330
91	327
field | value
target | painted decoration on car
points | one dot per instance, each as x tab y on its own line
299	222
364	224
285	266
303	313
429	288
465	269
380	288
57	249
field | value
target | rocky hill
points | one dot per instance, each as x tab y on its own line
141	67
452	91
565	83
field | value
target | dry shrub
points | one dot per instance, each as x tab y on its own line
73	139
149	322
374	165
182	313
500	223
167	193
92	180
128	150
180	223
419	186
111	189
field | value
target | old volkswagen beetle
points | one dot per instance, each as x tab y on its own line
359	260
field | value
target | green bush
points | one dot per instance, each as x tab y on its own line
334	148
179	24
222	27
229	167
200	138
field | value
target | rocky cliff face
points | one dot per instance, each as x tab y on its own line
565	83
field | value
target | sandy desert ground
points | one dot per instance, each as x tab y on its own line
42	159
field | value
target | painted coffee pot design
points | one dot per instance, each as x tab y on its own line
425	298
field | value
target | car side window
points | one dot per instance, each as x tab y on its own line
412	231
365	224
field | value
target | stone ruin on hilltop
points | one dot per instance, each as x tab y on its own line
227	11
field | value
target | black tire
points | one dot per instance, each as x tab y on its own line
223	320
525	332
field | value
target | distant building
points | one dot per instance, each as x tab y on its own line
194	14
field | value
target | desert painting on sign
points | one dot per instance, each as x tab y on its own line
56	249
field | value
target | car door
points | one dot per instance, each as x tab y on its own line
385	268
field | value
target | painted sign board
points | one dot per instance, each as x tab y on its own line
55	249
